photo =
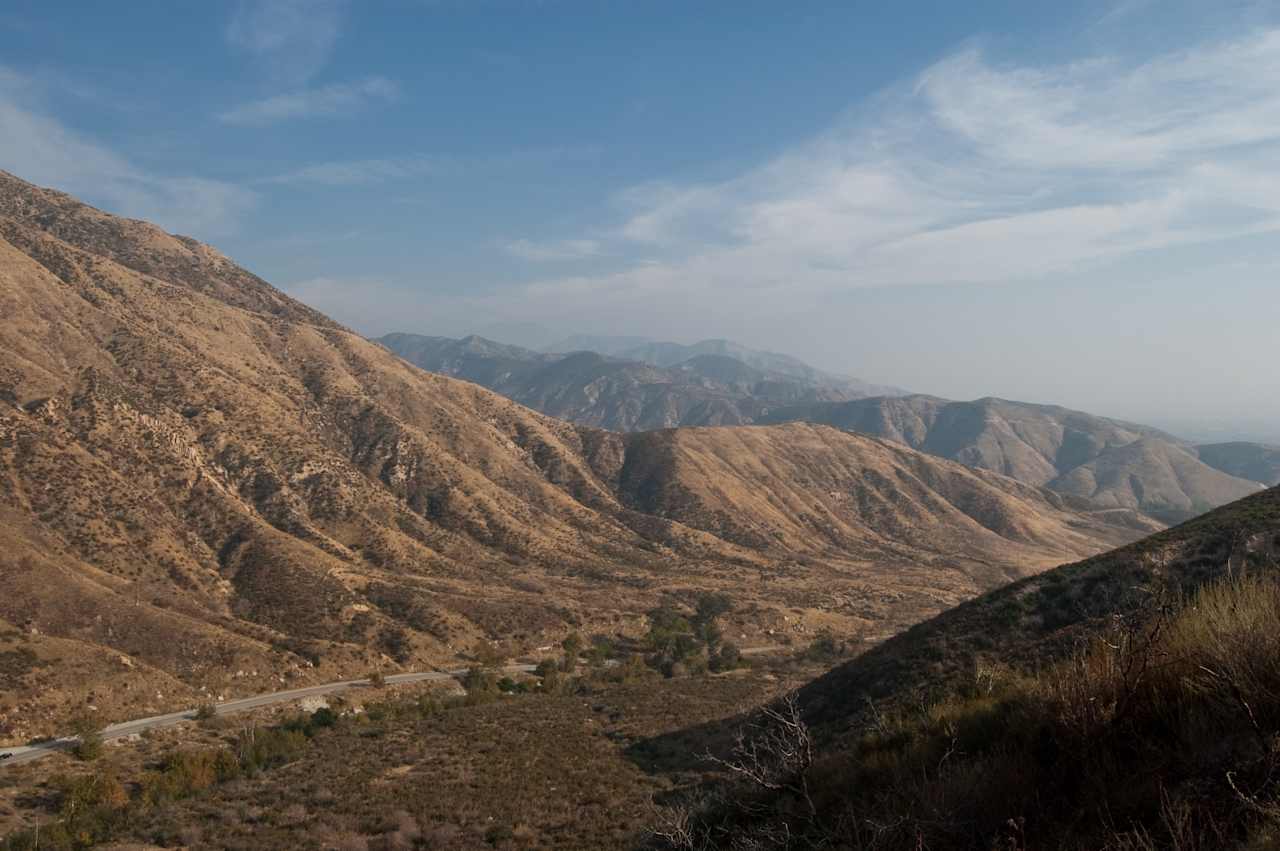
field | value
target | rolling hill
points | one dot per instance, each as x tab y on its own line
1256	462
1107	462
207	487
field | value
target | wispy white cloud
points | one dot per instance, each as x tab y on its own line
326	101
37	147
568	249
973	172
292	39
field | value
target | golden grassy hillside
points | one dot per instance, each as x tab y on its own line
1106	462
215	489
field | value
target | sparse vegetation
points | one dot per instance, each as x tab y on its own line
98	806
1163	732
570	769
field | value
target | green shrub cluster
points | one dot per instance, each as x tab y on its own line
95	807
691	643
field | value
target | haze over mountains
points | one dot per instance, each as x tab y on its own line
205	484
667	354
636	385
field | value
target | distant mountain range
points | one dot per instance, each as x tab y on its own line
653	385
666	354
640	385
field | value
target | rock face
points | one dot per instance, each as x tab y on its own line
1104	461
208	478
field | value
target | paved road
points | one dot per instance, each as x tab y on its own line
30	753
16	756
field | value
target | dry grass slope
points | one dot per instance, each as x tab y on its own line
1106	462
211	488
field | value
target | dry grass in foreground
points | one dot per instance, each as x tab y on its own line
1161	733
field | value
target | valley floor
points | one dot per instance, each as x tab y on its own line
585	768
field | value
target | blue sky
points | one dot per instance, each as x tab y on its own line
1062	202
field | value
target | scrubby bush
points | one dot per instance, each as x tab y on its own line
825	647
262	748
572	646
726	658
93	808
89	743
600	651
479	682
678	644
187	772
1161	732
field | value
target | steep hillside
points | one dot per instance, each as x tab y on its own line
1126	701
1037	620
618	393
205	487
1109	462
1256	462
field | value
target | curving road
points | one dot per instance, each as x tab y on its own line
30	753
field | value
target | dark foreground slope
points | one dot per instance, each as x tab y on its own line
1130	701
207	488
1036	621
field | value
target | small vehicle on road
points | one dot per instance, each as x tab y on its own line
4	756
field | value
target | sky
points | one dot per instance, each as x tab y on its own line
1075	203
